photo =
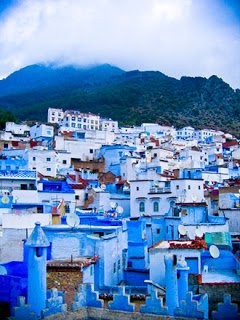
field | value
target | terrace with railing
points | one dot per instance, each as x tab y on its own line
18	174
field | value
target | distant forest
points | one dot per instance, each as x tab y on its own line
130	97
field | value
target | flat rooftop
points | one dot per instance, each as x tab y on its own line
220	276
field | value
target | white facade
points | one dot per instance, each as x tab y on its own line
109	125
148	198
186	133
202	135
15	128
55	115
84	150
41	131
43	161
75	120
189	158
188	190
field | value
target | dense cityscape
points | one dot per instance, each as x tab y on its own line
102	221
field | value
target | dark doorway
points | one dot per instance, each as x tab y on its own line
4	310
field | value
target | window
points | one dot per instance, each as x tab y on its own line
142	206
79	126
199	187
79	119
189	187
114	267
177	187
73	118
77	197
48	159
119	264
49	169
158	231
91	151
73	125
64	161
137	188
155	206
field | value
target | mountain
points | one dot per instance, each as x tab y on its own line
36	77
131	97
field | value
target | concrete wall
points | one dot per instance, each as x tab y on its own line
23	221
106	314
216	292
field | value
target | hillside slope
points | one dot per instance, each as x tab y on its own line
130	97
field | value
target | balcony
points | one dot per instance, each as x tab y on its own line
18	174
159	190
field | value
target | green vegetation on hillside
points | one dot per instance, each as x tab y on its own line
132	98
6	116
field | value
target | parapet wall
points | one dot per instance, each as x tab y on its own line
106	314
216	293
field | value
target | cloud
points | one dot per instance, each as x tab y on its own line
177	37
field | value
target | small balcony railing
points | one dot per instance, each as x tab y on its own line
159	190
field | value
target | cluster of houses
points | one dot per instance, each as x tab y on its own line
125	219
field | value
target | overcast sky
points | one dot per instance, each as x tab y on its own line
176	37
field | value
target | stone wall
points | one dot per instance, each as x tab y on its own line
216	292
91	165
105	314
64	280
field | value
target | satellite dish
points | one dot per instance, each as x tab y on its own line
199	233
5	200
182	230
194	198
103	186
190	234
113	204
214	251
73	220
119	209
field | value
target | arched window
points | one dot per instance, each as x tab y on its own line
155	206
142	206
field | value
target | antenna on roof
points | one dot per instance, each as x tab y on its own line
214	251
73	220
182	230
194	198
103	186
119	209
199	233
113	204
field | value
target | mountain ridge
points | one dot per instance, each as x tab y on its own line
132	97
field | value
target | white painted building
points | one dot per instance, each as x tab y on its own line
150	198
17	129
55	115
43	161
202	135
39	131
109	125
186	133
82	149
76	120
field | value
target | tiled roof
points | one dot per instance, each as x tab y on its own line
181	244
81	262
